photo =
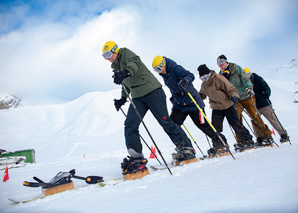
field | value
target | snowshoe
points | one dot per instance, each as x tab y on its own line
134	168
219	149
244	145
261	142
184	155
222	151
284	138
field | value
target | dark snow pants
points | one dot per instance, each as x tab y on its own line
156	103
179	117
232	117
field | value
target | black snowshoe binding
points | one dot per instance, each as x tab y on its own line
62	178
261	142
284	138
184	153
218	147
244	145
133	165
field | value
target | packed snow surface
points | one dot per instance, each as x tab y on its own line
87	135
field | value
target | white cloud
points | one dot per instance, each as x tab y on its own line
63	59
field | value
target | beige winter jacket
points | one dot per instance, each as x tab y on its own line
219	90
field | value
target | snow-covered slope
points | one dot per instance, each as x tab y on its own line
87	134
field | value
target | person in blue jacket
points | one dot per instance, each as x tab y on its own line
262	93
179	80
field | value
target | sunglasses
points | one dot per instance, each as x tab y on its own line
158	68
221	61
205	77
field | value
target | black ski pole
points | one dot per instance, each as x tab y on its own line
277	119
208	140
218	135
232	132
143	140
204	156
255	122
138	114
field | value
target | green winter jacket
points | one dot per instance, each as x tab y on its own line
142	81
239	79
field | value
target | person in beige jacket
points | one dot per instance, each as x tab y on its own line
222	97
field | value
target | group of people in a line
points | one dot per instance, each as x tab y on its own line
230	92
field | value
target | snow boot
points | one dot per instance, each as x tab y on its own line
242	146
184	155
134	168
284	138
264	142
219	149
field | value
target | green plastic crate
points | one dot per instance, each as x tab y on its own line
28	153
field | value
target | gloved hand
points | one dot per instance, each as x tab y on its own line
265	95
235	99
119	102
249	91
119	76
183	83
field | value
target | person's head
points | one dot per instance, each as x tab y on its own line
222	62
204	72
247	72
110	51
159	64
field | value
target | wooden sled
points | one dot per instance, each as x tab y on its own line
57	189
137	175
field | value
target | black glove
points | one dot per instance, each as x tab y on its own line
249	91
120	75
183	83
235	99
265	95
120	102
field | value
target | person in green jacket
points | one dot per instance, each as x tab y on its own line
238	78
147	94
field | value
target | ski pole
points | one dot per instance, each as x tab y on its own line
208	140
138	114
218	135
143	140
277	118
204	156
255	122
232	132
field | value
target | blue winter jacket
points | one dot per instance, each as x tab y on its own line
260	88
180	99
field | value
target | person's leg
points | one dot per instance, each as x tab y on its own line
251	110
239	111
203	125
178	116
131	128
235	123
156	102
271	117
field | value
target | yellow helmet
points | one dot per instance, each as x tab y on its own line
157	61
247	71
112	46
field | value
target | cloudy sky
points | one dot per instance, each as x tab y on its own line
53	48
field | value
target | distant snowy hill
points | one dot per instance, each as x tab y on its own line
87	134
